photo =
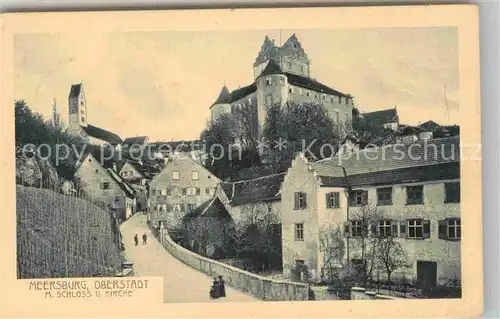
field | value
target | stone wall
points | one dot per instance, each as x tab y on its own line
358	293
256	286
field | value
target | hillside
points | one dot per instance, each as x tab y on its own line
64	236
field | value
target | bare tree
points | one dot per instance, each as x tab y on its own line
391	256
333	246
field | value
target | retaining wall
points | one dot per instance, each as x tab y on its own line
256	286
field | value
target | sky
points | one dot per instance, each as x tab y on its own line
161	84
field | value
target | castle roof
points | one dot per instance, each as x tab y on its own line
242	92
102	134
271	68
138	140
75	90
224	96
382	117
308	83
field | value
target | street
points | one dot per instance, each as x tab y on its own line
181	282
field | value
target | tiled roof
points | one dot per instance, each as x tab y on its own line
138	140
102	134
179	146
242	92
422	159
407	175
256	190
223	96
312	84
124	185
379	118
271	68
228	188
211	208
75	90
429	126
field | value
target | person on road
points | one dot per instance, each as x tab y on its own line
144	238
222	287
136	240
215	289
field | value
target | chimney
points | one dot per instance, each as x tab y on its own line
114	167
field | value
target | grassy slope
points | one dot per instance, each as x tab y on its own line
59	236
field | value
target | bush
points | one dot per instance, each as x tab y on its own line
301	273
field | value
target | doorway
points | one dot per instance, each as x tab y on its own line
426	274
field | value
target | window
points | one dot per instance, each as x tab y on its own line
269	208
331	99
418	228
316	96
282	81
384	196
83	119
450	229
209	191
302	68
384	228
308	93
346	118
324	97
335	116
82	103
177	208
268	81
355	228
117	199
105	185
333	200
452	192
194	176
82	112
175	176
358	198
161	191
339	99
300	200
191	191
96	171
414	195
290	89
299	231
300	91
249	101
289	65
191	207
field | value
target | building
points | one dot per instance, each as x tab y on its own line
381	120
180	187
138	174
103	183
412	190
253	198
282	74
78	120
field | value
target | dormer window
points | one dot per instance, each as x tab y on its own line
268	81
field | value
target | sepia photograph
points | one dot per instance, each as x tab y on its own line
243	165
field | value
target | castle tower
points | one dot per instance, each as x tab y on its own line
77	107
272	90
268	51
293	58
221	105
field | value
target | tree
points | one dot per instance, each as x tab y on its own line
391	256
333	246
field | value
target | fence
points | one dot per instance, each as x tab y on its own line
61	235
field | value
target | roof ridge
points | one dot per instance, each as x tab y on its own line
257	178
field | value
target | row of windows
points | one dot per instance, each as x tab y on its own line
448	229
176	208
191	191
194	175
414	196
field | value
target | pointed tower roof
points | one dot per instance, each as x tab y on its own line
224	96
75	90
271	68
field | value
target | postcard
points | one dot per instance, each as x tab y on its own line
292	162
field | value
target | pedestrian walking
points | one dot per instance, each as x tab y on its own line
222	287
136	240
215	289
144	238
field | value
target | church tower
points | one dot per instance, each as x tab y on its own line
77	108
221	105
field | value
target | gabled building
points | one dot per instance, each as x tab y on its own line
78	120
179	188
381	120
102	182
412	191
282	74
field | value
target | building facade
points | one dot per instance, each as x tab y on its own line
281	75
179	188
104	184
381	193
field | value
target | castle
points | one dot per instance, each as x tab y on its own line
281	75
